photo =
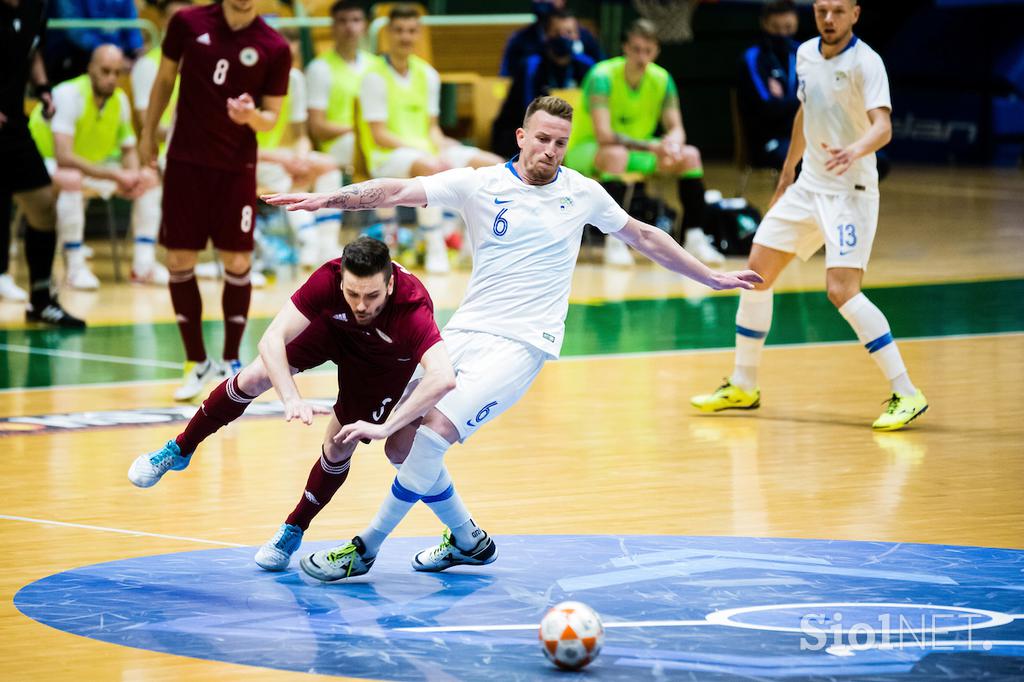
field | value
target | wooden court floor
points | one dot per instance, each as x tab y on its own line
601	444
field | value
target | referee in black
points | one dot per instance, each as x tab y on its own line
22	173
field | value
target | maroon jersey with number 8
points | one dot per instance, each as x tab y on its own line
217	63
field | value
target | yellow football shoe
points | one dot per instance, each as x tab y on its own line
901	410
727	397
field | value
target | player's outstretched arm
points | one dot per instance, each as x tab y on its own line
362	196
438	380
288	324
663	250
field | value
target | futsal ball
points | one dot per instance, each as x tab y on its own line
571	635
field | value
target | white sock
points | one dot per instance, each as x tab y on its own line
429	217
753	320
73	256
872	330
448	507
328	220
70	218
146	212
143	255
389	223
694	234
415	478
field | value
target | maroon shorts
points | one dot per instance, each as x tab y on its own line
202	203
365	391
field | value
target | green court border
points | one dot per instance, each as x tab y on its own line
109	354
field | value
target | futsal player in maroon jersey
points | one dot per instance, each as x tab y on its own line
371	318
234	76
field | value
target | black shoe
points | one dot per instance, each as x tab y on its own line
54	315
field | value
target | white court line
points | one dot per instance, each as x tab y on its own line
534	626
570	358
95	357
121	384
770	346
47	522
936	644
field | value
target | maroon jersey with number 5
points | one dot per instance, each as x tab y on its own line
216	63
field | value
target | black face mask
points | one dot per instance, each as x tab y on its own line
559	46
780	45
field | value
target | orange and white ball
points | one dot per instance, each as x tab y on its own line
571	635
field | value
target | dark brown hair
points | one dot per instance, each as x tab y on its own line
365	257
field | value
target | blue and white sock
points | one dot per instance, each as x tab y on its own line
415	479
448	507
873	331
753	320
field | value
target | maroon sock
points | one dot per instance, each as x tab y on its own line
225	404
235	303
188	308
324	480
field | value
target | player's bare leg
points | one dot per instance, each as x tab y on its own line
235	304
753	320
325	478
907	402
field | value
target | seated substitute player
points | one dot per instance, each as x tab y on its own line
332	87
624	99
372	319
89	149
844	117
286	162
525	220
333	80
556	67
400	100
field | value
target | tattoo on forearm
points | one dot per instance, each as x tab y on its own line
358	197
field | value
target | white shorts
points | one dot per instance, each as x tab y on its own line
91	187
802	221
272	177
342	150
491	374
398	163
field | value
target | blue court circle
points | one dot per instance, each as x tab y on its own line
674	607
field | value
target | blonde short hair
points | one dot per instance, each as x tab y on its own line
556	106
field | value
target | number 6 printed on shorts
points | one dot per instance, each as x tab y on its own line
484	412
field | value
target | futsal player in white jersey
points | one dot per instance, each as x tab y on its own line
844	118
524	221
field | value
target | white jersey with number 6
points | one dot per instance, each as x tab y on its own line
525	240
